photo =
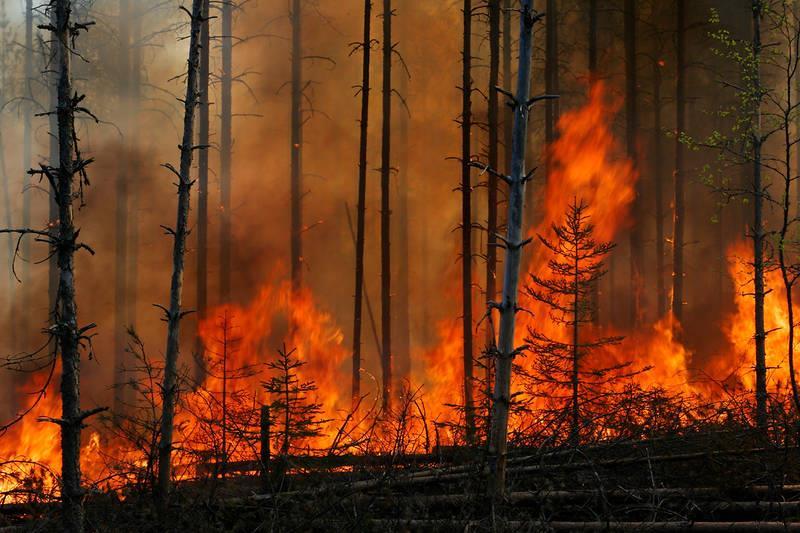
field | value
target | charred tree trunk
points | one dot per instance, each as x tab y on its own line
226	151
466	219
121	237
174	314
758	225
680	127
514	243
68	333
362	200
575	430
658	176
386	256
202	189
493	156
631	126
297	147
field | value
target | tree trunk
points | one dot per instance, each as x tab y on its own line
68	334
466	219
362	200
680	127
225	152
514	244
631	127
121	237
386	263
297	148
758	227
202	190
658	176
493	156
174	313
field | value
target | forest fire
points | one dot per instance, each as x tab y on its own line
558	297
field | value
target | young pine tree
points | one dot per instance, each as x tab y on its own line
574	388
295	414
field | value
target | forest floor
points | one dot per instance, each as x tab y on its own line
722	481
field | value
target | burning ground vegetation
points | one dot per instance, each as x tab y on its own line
558	297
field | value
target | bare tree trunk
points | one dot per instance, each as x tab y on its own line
386	257
225	151
680	127
121	237
514	244
493	156
466	219
174	313
362	200
758	227
658	175
202	191
631	127
297	147
68	334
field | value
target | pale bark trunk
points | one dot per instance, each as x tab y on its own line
514	244
362	200
174	313
386	263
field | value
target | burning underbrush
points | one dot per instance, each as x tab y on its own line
276	369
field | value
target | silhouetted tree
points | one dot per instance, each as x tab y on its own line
576	264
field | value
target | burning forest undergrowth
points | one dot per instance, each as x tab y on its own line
659	385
